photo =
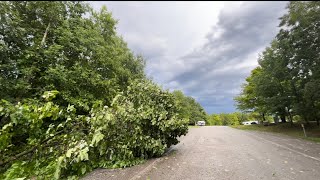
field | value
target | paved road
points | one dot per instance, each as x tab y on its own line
227	153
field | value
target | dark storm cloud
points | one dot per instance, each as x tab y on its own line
215	71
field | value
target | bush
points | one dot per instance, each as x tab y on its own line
41	139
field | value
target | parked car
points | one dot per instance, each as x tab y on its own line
201	123
250	122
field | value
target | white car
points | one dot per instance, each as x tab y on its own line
250	122
201	123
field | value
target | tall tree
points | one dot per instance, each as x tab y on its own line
250	100
46	46
274	87
300	31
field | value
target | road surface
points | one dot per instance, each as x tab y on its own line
227	153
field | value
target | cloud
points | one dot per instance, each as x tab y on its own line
205	49
214	72
150	46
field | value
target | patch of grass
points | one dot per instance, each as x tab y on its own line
193	126
312	130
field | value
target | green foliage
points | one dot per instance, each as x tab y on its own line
189	108
236	118
45	140
229	119
223	119
214	120
64	46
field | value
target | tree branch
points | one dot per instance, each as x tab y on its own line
45	35
27	151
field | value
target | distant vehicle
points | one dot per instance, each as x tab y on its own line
249	122
201	123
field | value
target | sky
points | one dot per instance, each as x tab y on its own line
205	49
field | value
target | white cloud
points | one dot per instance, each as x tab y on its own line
150	46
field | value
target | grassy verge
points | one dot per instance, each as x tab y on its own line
193	126
312	131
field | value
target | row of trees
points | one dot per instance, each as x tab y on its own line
189	108
74	97
287	81
236	118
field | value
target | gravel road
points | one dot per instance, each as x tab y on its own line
227	153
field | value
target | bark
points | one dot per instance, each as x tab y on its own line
291	119
306	119
283	119
45	35
276	119
263	117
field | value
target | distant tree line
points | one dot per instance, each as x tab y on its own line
189	108
236	118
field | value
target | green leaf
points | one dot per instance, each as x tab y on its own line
97	137
58	168
83	170
69	152
49	95
84	154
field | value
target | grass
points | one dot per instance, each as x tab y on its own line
312	131
193	126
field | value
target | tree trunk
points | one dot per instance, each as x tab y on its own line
276	119
283	119
263	118
306	120
45	35
291	119
318	123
